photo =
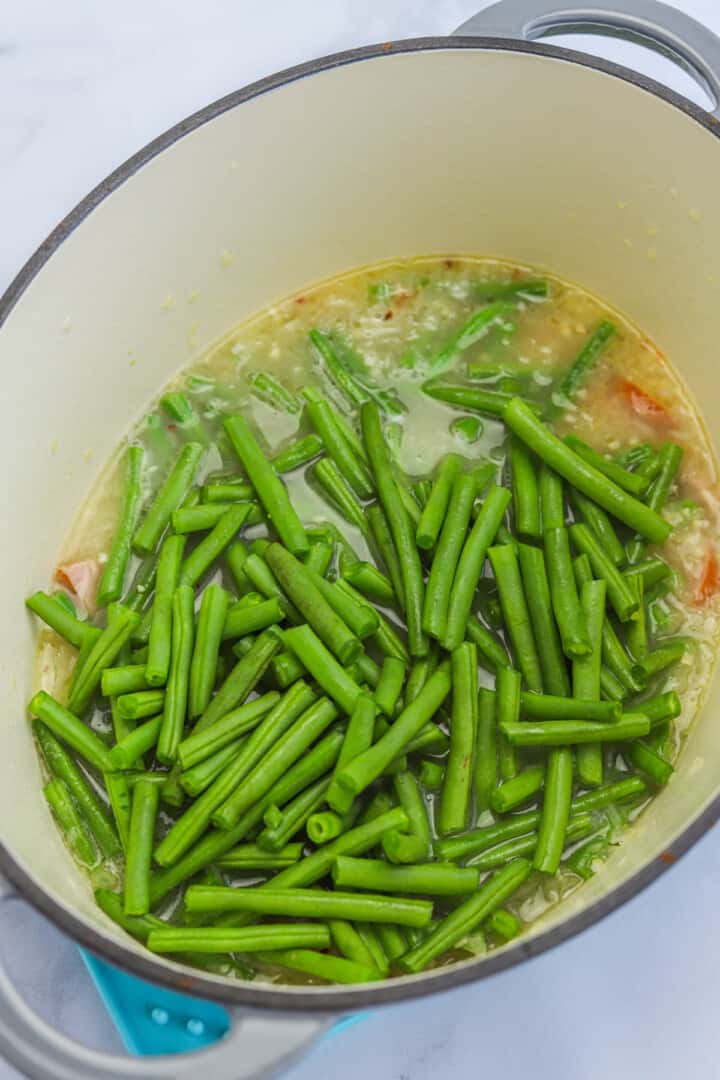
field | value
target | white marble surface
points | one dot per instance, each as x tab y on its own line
82	86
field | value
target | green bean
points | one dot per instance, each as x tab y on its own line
433	515
617	660
670	459
298	583
119	798
168	499
518	790
644	758
368	580
368	934
159	439
102	653
366	767
504	562
475	398
339	493
388	690
236	557
131	747
334	969
290	710
286	669
349	942
564	594
621	594
637	627
485	751
470	563
475	328
490	648
145	799
208	636
321	828
665	706
577	374
71	730
600	527
352	468
70	821
255	939
555	811
140	705
447	553
320	556
94	813
469	914
526	500
551	498
520	288
477	840
270	489
252	857
416	846
324	349
192	519
504	924
667	654
181	411
318	660
358	737
201	744
314	765
123	680
297	454
507	707
523	422
419	674
431	774
271	767
586	671
293	817
577	827
428	879
167	580
386	638
227	491
455	797
400	527
633	483
549	707
309	904
212	546
176	694
610	686
382	537
568	732
242	679
268	389
63	622
197	778
113	575
537	592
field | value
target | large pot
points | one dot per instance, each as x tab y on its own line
464	144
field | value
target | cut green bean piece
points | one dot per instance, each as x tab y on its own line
577	374
168	499
459	923
252	857
167	580
578	827
664	656
549	707
202	557
425	879
389	688
248	939
669	461
268	389
66	814
507	707
525	493
140	705
52	611
555	811
383	541
339	493
400	527
644	758
113	576
298	454
101	654
334	969
447	553
349	942
269	488
128	751
368	580
352	467
490	648
309	904
176	694
632	482
70	730
293	817
600	526
485	751
568	732
476	328
433	515
228	492
454	806
323	666
523	422
586	673
537	592
551	499
518	790
620	592
145	798
515	613
208	636
564	594
123	680
201	744
242	679
470	564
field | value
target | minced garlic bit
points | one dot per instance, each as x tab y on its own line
168	302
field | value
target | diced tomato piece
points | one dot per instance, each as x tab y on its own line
709	580
640	401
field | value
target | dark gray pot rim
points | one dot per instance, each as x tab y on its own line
324	999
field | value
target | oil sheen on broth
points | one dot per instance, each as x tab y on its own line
397	316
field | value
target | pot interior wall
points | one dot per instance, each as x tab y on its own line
525	156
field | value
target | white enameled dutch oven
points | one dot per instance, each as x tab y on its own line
489	144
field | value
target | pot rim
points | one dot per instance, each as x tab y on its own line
318	998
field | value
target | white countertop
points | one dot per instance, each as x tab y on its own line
82	86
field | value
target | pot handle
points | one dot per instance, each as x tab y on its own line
662	28
256	1045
